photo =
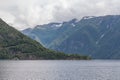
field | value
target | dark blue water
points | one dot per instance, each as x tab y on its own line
60	70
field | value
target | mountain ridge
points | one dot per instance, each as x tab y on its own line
94	36
15	45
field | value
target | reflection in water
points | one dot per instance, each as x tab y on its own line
60	70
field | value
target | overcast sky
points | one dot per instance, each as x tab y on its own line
28	13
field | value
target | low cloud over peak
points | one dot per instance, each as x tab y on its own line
28	13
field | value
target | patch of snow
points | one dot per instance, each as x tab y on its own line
59	25
73	25
88	17
102	36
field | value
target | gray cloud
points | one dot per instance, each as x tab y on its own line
28	13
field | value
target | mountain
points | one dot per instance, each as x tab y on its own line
47	33
43	33
98	37
15	45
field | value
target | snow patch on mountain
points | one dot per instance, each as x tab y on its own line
102	36
88	17
73	24
59	25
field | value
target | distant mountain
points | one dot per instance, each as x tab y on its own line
98	37
47	33
15	45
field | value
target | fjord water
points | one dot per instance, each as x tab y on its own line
60	70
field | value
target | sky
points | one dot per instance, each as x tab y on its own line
22	14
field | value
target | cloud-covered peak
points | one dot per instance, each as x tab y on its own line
28	13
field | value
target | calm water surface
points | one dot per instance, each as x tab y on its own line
60	70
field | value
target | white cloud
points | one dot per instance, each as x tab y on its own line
28	13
